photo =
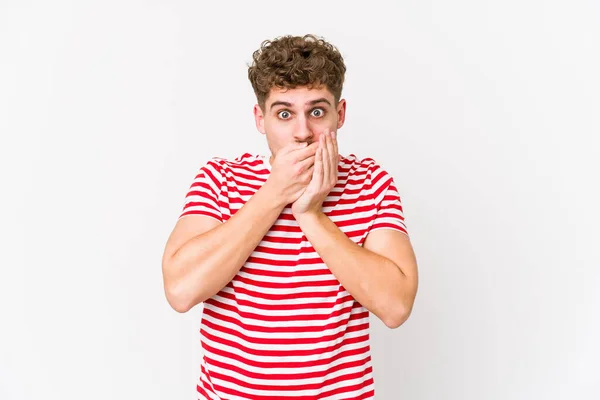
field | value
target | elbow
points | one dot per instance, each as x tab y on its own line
177	300
182	298
397	317
175	293
178	295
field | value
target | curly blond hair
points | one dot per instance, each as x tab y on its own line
291	61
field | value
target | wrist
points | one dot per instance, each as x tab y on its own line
271	197
310	215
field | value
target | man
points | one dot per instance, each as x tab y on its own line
290	253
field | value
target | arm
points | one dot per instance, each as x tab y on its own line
202	254
381	275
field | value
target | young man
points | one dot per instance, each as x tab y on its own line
289	253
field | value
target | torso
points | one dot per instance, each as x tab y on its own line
284	326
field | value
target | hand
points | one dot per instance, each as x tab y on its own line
324	178
291	172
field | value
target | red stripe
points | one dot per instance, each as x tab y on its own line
284	341
271	318
250	297
281	296
292	376
297	387
274	306
234	345
285	329
282	364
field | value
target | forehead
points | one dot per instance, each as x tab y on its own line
299	95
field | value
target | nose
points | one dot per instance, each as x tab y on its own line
303	131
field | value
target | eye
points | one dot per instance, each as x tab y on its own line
317	112
283	114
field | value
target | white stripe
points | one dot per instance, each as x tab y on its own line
288	359
290	335
277	323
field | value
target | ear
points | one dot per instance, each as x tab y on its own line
259	119
341	111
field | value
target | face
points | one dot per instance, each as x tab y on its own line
298	115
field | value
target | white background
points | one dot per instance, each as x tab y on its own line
486	113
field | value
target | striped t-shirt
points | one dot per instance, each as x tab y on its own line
284	327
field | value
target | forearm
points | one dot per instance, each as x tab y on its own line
207	262
376	282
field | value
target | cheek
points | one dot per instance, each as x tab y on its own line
329	121
279	132
277	136
324	124
275	127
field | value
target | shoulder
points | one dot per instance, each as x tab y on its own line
228	162
367	168
243	163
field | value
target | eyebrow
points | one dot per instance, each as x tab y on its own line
312	102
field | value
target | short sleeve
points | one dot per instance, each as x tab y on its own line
203	195
390	213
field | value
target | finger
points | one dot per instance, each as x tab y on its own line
307	162
309	173
335	146
318	168
333	157
307	151
325	157
331	151
295	146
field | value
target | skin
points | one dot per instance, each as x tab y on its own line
202	254
306	116
382	273
300	120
